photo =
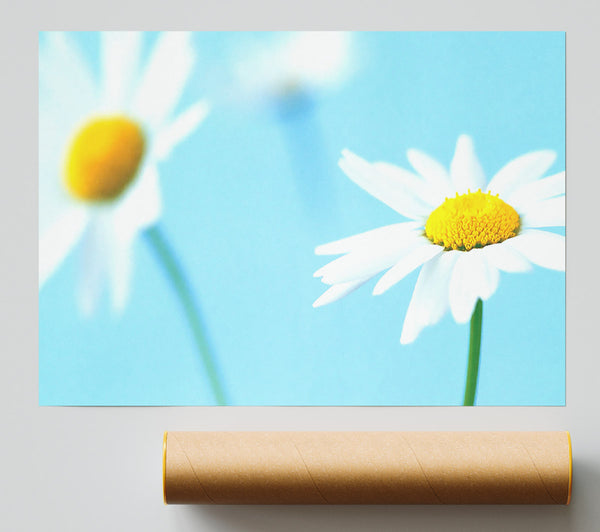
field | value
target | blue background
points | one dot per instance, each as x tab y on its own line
245	211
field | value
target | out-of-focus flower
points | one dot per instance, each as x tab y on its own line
294	64
99	149
460	235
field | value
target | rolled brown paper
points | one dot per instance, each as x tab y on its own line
367	468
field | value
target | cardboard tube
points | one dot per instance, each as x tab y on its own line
367	467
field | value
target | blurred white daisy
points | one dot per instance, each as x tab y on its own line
99	148
462	233
294	64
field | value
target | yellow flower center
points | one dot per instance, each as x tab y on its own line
472	220
103	158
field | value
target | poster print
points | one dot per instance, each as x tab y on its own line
303	218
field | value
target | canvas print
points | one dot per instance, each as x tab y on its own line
302	218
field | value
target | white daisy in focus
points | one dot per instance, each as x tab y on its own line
294	64
462	237
99	149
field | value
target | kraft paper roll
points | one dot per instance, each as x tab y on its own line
367	468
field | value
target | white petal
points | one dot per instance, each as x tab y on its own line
120	63
406	265
547	213
506	258
520	171
317	58
182	126
430	298
64	76
141	206
338	291
257	68
119	268
58	239
541	247
368	238
431	170
463	293
473	278
394	193
107	258
492	279
53	200
93	270
54	133
465	169
537	191
368	261
164	79
431	195
139	209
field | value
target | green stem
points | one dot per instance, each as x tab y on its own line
174	272
474	354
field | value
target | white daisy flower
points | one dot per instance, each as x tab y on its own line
293	64
461	232
99	148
